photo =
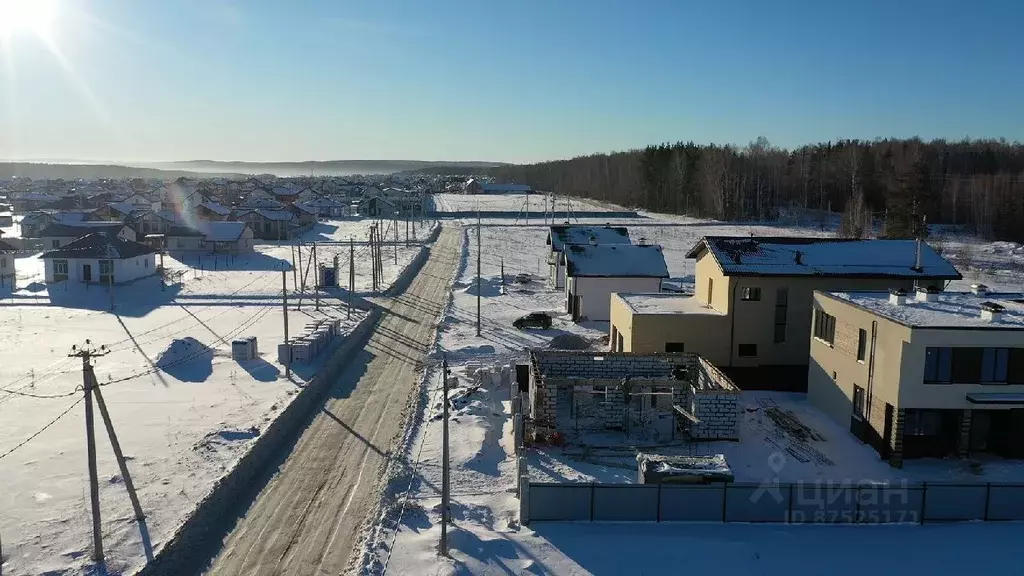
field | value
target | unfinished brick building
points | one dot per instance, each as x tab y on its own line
667	396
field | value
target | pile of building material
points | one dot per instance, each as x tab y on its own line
244	349
317	338
659	469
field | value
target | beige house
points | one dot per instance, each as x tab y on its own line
925	375
751	305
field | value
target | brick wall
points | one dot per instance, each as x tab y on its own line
718	412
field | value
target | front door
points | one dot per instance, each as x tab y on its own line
86	273
886	446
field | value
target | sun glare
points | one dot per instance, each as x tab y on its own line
33	16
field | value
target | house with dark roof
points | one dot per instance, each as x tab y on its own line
58	235
565	234
223	237
753	297
100	258
594	272
212	211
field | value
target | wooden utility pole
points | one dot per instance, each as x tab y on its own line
445	470
86	354
396	237
351	272
316	279
479	249
284	307
502	274
373	259
295	276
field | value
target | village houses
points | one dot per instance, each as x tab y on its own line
101	258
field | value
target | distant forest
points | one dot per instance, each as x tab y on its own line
899	184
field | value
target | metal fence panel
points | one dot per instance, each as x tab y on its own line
954	502
885	504
692	503
823	503
626	502
756	503
1006	502
559	502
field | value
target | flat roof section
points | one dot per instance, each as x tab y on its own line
666	303
947	310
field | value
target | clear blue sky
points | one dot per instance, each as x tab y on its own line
515	80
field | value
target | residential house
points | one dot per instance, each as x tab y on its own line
212	211
669	397
268	224
375	206
472	186
256	201
66	203
6	219
183	239
29	201
218	237
149	222
7	273
303	214
565	234
60	235
594	272
327	207
926	375
761	288
99	258
142	202
115	212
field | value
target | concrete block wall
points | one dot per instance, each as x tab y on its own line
718	413
617	365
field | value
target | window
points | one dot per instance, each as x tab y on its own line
3	262
674	347
55	243
995	365
748	350
750	294
938	365
967	365
858	402
1015	366
781	312
862	344
922	422
60	270
824	327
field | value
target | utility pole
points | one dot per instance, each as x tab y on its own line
445	491
284	307
351	272
295	277
408	218
527	209
373	258
85	354
316	278
502	274
396	237
479	249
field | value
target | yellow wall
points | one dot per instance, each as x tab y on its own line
705	270
704	334
835	397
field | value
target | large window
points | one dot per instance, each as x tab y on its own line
60	270
862	344
824	326
974	365
922	422
781	312
750	294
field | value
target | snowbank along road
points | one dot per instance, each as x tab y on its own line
306	519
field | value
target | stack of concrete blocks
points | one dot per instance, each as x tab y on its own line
714	400
317	338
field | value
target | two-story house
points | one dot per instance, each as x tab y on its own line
760	290
926	375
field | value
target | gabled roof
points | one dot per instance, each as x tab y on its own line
216	208
182	231
302	207
561	235
100	245
615	261
836	257
81	229
125	208
283	215
258	202
5	247
223	231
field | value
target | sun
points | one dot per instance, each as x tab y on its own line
35	16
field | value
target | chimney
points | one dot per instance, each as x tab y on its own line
917	258
642	241
798	257
979	289
927	294
991	311
593	241
898	297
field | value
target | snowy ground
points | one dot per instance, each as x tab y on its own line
486	537
184	410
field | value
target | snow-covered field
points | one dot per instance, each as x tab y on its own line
184	410
486	537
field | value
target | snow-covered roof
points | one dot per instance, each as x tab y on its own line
504	188
258	202
216	208
282	215
125	208
100	245
615	261
222	231
302	207
947	310
841	257
76	229
666	303
35	196
322	202
561	235
5	247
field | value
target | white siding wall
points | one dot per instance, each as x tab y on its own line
596	293
133	268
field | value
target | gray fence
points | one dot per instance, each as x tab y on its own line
812	502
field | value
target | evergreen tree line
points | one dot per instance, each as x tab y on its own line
887	187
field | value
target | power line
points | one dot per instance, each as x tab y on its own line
44	428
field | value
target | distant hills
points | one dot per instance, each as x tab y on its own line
216	168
